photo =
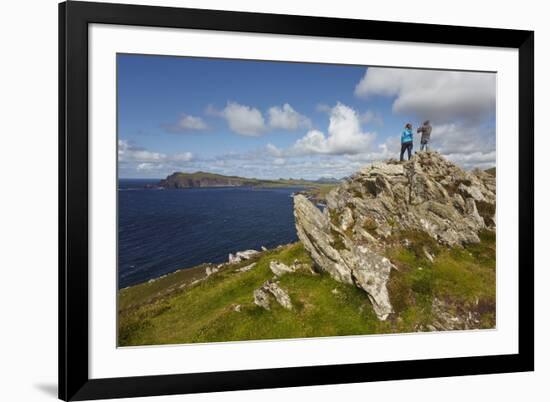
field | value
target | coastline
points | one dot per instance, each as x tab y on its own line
132	272
184	278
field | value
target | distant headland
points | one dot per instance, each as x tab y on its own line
205	179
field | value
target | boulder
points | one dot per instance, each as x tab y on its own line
242	255
211	270
271	290
278	268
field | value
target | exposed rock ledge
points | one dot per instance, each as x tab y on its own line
427	193
241	255
271	289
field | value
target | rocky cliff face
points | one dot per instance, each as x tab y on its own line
427	193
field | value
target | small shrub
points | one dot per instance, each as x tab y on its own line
423	282
418	242
401	296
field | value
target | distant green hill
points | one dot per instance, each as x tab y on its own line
206	179
492	171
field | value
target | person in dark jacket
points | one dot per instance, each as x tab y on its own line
426	130
406	141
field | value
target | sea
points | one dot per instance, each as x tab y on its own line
163	230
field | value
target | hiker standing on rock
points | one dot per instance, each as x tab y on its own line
426	130
406	141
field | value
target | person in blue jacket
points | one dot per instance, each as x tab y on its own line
406	141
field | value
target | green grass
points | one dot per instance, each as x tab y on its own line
205	312
147	292
462	277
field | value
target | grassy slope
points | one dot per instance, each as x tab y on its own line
464	278
161	313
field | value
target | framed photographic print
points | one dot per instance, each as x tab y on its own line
257	200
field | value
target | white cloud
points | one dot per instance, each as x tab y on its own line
439	96
344	135
460	138
287	118
130	153
461	106
249	121
323	108
386	150
188	122
482	160
371	116
273	150
132	158
182	157
244	120
467	146
148	166
279	161
212	111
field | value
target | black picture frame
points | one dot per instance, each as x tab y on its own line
74	18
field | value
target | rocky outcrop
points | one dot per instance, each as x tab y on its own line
427	193
278	268
271	290
211	270
348	263
241	255
449	318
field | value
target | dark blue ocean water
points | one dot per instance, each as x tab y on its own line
161	231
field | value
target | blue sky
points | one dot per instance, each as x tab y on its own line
277	119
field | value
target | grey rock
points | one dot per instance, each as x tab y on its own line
342	259
246	268
261	298
211	270
242	255
448	317
271	290
278	268
428	255
346	219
